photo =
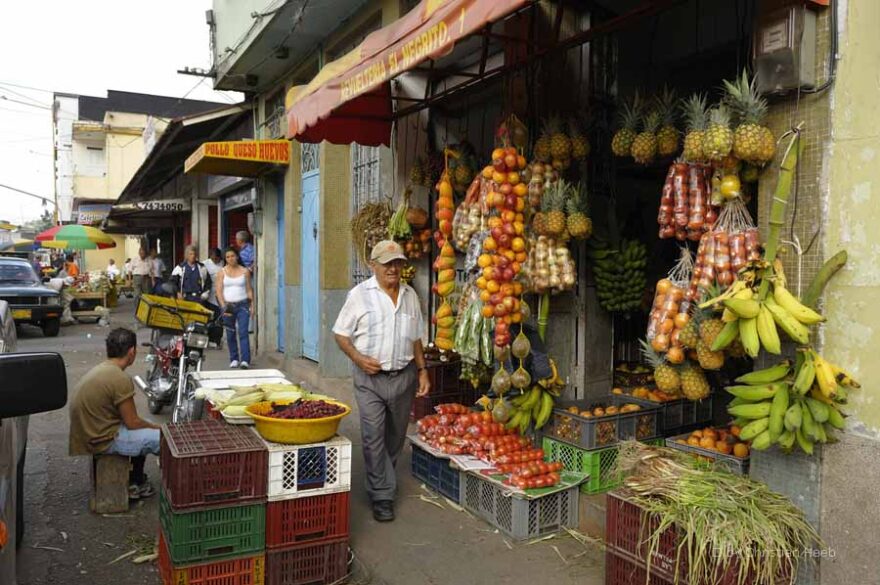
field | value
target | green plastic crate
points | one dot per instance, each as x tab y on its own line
211	534
598	463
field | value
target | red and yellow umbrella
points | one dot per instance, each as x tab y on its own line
75	237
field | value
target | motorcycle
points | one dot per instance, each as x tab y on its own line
172	358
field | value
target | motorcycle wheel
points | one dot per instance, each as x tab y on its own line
154	407
190	409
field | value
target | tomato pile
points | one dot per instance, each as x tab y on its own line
305	409
456	430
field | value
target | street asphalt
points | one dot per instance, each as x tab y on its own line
66	544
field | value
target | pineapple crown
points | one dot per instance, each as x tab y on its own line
630	113
743	98
695	112
552	125
652	121
666	103
555	196
720	115
577	201
654	359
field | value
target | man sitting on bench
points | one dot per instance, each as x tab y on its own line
103	416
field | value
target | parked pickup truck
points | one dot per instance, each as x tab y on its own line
29	299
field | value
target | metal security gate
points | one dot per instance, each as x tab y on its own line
365	188
310	228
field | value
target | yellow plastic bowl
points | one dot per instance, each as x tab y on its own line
294	431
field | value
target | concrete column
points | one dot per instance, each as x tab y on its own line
335	258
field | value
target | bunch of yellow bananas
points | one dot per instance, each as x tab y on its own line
531	407
755	321
778	405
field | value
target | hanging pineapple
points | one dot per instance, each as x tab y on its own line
694	384
644	147
696	116
553	206
752	141
621	143
560	144
580	227
667	136
543	152
718	138
580	145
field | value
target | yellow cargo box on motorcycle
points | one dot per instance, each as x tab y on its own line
169	313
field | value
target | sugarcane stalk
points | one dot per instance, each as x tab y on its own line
777	209
543	314
829	269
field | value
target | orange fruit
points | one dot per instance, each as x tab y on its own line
734	430
667	325
513	178
521	189
663	286
492	286
490	244
722	447
518	244
481	284
698	434
484	260
675	355
692	440
741	450
498	177
485	295
498	154
488	171
707	442
487	311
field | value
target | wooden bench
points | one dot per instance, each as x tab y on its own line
109	484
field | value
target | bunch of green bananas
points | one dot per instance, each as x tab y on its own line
620	273
776	405
533	406
754	321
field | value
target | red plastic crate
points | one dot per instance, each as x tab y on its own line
621	569
241	571
627	530
308	564
307	520
207	462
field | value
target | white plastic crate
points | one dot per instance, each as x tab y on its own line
298	471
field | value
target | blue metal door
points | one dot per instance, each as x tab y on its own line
282	267
311	306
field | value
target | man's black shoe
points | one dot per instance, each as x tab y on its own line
383	511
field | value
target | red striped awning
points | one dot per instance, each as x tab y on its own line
350	99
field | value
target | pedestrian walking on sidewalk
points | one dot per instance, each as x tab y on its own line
104	418
191	278
379	328
235	295
143	274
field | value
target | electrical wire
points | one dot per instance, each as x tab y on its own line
26	87
833	50
15	101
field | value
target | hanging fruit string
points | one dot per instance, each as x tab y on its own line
780	201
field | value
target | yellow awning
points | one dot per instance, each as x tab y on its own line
241	158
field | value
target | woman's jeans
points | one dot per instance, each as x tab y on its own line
236	320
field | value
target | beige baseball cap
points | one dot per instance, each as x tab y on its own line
387	251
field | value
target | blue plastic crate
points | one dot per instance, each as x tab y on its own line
311	470
436	474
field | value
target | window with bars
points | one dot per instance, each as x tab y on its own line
365	188
274	122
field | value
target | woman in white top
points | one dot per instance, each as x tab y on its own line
235	295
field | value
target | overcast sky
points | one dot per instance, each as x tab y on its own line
86	47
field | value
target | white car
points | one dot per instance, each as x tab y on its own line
29	383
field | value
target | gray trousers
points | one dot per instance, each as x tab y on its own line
384	402
141	285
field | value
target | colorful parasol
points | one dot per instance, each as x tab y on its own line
75	237
19	246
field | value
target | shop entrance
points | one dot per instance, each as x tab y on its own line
311	277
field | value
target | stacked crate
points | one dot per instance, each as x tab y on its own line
446	386
212	505
307	528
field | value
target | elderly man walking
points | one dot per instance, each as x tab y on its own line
379	328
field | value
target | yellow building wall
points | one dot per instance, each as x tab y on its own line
853	214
